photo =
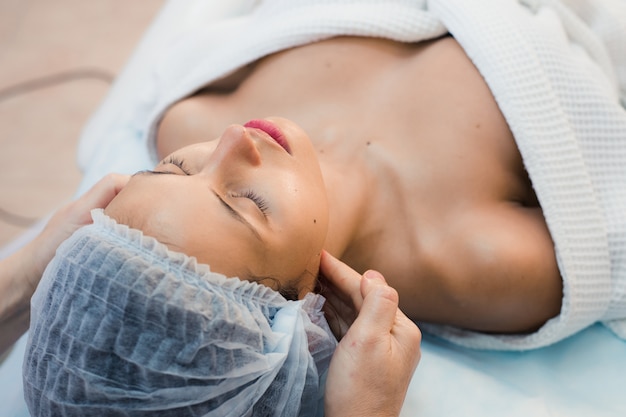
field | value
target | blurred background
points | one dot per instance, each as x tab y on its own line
57	61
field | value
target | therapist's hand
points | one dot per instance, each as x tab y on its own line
379	349
70	218
20	273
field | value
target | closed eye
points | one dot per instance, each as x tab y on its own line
178	162
260	202
235	214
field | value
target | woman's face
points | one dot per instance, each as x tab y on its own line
251	204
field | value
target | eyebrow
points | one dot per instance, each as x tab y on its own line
235	214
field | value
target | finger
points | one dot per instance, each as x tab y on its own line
408	336
404	329
345	280
380	304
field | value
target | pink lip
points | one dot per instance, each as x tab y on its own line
272	130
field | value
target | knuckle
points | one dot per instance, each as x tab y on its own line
387	292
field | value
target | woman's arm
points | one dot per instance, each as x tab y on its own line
20	273
372	367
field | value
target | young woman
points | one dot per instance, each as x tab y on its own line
432	192
462	146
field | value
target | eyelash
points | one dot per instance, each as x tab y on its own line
257	199
179	163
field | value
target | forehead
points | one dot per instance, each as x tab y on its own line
188	218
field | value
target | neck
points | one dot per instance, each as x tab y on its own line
350	186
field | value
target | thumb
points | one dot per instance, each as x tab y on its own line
380	303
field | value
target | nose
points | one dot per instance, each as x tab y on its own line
236	145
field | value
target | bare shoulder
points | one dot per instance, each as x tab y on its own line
467	243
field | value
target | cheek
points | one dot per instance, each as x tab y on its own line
305	238
303	217
316	213
305	194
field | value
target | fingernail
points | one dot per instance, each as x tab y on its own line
374	275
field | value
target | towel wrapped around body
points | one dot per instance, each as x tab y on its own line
557	70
